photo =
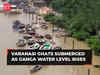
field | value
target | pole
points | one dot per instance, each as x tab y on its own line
65	36
52	28
29	17
88	71
73	44
64	39
32	13
32	18
26	18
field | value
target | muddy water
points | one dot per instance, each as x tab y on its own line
8	39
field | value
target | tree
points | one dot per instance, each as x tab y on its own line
81	35
80	15
81	19
55	20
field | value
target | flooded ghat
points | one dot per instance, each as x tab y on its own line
8	39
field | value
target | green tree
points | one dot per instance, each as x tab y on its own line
80	14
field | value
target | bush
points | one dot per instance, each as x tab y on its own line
94	43
49	17
81	35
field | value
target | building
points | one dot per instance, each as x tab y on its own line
40	3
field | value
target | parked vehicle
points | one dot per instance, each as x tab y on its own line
48	36
22	31
20	43
41	42
28	27
31	32
52	42
36	46
27	37
22	26
36	68
44	27
39	36
31	42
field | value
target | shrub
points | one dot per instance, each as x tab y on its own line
94	43
81	35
